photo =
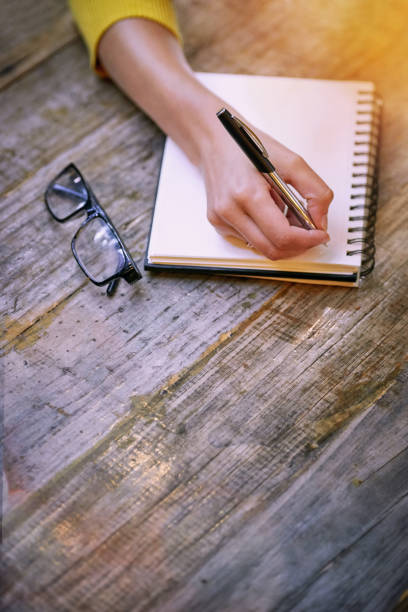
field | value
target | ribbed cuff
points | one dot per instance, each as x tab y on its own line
94	17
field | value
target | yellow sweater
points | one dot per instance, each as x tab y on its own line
94	17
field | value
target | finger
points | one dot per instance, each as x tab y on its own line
248	233
229	232
312	187
246	229
233	216
277	229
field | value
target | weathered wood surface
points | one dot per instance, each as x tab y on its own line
30	34
197	443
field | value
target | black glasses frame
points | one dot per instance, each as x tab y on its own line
128	270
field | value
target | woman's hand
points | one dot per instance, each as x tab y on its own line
147	62
240	202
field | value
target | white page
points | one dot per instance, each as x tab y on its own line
314	118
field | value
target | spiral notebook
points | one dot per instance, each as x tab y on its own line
334	126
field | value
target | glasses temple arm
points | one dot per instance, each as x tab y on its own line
112	287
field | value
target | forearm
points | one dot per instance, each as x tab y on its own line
148	64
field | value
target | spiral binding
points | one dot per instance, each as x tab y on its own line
364	186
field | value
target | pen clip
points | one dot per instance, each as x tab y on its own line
252	136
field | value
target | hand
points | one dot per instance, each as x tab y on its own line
240	202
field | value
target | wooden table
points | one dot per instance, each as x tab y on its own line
197	443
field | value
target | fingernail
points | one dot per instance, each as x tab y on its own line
324	223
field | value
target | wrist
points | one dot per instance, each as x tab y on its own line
195	127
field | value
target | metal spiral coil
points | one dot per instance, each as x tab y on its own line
364	187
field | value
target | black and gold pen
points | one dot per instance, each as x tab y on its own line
256	152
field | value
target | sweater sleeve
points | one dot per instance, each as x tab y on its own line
94	17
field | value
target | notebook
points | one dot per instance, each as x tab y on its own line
334	126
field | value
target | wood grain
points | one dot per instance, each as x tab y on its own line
30	34
196	443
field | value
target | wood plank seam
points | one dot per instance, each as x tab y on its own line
156	399
11	340
297	596
30	55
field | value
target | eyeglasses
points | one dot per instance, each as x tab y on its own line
96	245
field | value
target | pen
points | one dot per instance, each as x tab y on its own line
258	155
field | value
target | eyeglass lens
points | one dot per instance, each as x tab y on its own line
98	250
67	194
